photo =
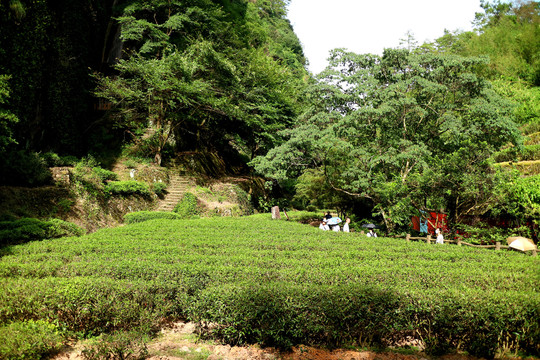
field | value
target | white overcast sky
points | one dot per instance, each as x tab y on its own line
369	26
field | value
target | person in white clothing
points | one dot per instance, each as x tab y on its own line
324	226
346	225
371	233
440	238
335	228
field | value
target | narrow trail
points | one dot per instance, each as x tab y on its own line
177	187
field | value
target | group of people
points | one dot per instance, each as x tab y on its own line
324	226
371	233
335	227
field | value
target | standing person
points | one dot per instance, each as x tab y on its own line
371	233
346	225
328	216
440	238
335	228
323	225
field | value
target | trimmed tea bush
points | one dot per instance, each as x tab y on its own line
159	188
28	229
140	216
29	340
276	283
123	345
105	175
188	206
126	188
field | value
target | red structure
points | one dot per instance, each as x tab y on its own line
430	221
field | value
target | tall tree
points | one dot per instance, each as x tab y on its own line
403	130
207	73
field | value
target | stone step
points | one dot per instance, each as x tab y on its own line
176	189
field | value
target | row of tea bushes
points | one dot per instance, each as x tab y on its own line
276	283
22	230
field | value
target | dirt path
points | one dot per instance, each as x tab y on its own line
180	342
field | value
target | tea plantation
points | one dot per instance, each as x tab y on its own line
276	283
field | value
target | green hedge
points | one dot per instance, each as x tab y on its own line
105	175
140	216
53	159
188	206
126	188
159	188
29	340
28	229
283	315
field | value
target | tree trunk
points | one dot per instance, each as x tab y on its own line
157	158
389	227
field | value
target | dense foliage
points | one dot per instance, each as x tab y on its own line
232	81
206	74
28	229
46	49
508	33
32	339
188	206
402	130
275	283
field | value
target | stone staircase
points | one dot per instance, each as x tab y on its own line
176	189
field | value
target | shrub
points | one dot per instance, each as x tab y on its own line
230	193
126	188
244	201
188	206
130	163
509	154
104	174
304	217
83	174
29	229
60	228
121	346
140	216
53	159
29	340
159	188
528	152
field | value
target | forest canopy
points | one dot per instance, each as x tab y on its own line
451	124
405	131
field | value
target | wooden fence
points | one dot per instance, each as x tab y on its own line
460	242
